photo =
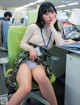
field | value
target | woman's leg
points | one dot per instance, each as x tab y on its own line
24	79
45	86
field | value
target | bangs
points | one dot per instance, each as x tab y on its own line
48	9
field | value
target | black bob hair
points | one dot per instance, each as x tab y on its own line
45	7
7	14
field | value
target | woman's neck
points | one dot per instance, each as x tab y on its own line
47	28
47	25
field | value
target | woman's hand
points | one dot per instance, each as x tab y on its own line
70	41
33	54
54	20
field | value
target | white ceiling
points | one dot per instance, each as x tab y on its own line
8	4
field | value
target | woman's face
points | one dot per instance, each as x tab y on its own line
49	16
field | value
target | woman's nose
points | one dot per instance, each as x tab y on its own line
50	15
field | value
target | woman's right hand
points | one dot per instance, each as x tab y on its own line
33	54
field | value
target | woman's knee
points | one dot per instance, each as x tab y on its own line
26	89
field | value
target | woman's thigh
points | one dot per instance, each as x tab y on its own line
24	76
39	73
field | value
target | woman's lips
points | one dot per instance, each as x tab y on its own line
50	20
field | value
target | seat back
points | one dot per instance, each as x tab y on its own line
15	35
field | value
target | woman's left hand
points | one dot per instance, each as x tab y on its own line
54	20
70	41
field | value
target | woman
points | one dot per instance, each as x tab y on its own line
42	33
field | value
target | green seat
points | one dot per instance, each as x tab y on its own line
15	35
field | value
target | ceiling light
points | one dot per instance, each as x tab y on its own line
25	6
20	8
75	9
60	6
39	1
76	3
33	3
30	4
67	10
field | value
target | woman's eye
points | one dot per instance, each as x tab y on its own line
52	12
46	13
